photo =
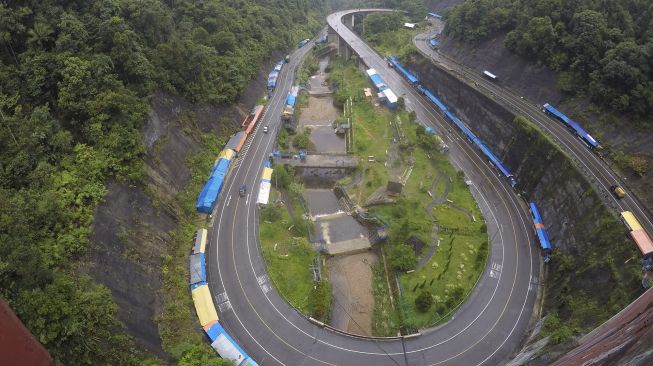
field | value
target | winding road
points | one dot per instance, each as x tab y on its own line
484	331
593	166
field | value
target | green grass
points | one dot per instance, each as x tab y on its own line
398	42
457	264
178	322
288	258
439	187
385	320
449	217
371	127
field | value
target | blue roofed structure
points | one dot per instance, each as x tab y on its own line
378	82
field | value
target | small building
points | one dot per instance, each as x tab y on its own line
368	92
393	189
389	97
410	25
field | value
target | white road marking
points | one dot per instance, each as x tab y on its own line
511	200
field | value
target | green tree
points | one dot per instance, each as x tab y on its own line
202	355
423	301
382	22
282	176
40	33
402	257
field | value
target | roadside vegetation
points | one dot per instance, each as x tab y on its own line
309	67
290	258
75	78
386	33
403	152
571	299
178	322
598	49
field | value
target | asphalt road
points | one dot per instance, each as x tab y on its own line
485	330
592	165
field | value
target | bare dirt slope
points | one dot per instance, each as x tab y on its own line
131	228
540	85
353	302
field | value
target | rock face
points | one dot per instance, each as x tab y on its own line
132	228
592	247
539	83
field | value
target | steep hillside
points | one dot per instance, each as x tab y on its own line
594	272
89	117
607	90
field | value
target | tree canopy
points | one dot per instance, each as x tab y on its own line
75	77
604	47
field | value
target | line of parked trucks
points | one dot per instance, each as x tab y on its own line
639	236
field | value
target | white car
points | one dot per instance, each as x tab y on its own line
265	129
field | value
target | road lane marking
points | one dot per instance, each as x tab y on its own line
473	163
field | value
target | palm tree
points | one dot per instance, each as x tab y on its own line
40	33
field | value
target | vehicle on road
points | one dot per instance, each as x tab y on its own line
637	233
540	232
265	129
572	125
618	191
489	75
242	191
287	58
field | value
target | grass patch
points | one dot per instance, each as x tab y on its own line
385	320
391	137
178	323
398	42
289	257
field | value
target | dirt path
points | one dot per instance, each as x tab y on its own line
353	302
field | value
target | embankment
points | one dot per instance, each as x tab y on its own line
590	276
136	229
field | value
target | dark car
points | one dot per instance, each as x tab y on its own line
242	191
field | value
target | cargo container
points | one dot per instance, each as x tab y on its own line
638	234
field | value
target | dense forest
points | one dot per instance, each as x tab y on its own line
75	77
603	48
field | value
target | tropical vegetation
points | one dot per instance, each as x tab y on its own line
75	77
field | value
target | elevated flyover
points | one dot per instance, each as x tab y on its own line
484	330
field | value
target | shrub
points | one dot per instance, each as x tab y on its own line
423	301
270	213
402	257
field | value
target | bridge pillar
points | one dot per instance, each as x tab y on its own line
332	36
343	49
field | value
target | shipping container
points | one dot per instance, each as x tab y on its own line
204	305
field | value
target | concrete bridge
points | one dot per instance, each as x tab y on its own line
348	20
320	161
